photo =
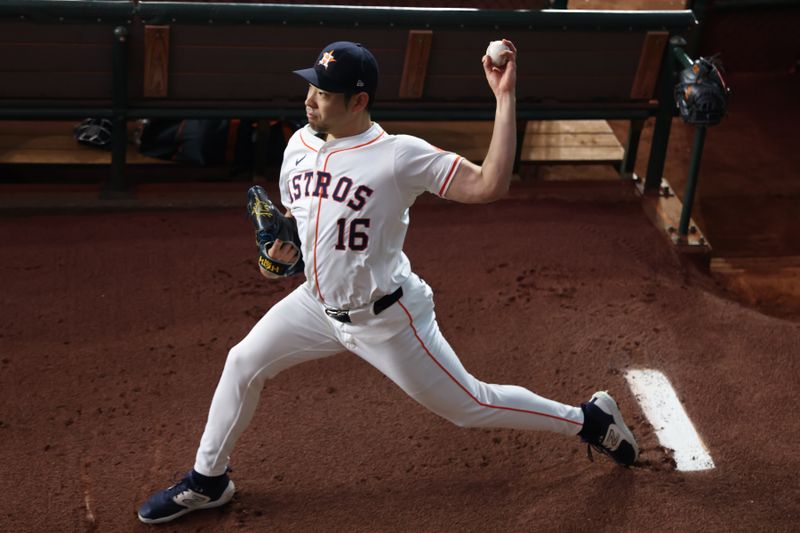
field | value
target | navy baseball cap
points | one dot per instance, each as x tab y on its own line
343	67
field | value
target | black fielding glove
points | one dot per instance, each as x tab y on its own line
270	225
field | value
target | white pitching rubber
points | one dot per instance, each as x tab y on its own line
669	419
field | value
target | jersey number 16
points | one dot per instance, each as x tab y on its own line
355	240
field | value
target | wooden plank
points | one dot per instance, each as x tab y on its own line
156	61
80	155
644	82
415	66
51	142
38	142
583	140
567	126
552	154
564	141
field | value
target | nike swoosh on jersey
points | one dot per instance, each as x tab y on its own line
297	161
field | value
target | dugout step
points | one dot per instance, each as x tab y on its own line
772	283
663	208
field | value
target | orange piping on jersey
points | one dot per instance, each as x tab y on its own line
449	175
462	387
319	206
325	166
306	144
316	234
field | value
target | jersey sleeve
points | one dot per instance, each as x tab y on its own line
420	166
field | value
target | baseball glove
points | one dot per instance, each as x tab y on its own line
701	94
270	225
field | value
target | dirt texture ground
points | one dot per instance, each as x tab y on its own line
115	327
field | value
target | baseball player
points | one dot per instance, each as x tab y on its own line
347	186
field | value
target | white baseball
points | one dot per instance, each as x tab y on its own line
494	50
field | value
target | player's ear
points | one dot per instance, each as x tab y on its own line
359	102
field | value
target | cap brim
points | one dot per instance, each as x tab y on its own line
312	77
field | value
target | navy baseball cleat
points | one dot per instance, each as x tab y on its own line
193	492
605	431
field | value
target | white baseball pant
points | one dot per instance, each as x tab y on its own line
403	342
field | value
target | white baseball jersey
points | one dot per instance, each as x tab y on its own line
350	198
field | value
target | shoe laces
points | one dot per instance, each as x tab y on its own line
180	485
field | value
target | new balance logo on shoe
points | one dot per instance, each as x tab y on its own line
612	439
190	498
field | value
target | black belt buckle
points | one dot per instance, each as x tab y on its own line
342	315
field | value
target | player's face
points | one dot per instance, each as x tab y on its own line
326	112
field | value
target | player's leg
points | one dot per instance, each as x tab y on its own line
412	352
291	332
420	360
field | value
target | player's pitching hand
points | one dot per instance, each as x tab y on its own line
502	80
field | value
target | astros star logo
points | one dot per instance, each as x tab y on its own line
327	57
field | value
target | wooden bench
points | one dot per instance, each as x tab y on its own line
52	142
125	61
549	142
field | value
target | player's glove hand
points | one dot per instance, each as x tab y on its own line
270	226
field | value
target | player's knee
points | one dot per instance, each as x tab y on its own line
460	422
240	361
460	417
467	420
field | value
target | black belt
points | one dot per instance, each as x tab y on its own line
380	305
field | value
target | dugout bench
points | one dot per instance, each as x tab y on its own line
123	60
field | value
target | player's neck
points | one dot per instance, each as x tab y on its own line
358	126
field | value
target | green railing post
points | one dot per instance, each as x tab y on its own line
631	148
681	56
119	132
666	110
691	182
697	151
